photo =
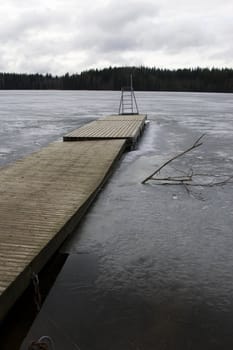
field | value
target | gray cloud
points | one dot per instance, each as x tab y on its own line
115	16
70	35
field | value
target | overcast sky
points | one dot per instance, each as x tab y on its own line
59	36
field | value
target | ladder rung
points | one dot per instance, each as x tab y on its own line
128	102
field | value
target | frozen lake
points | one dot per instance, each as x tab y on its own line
32	119
151	266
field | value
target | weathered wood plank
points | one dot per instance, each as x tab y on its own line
42	198
130	117
112	127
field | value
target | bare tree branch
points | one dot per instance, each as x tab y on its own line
175	178
181	182
187	189
196	144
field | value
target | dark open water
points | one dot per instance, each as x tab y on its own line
150	267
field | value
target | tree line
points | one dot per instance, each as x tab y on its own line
114	78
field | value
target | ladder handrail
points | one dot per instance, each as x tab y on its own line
128	99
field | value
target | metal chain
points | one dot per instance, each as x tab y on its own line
44	343
37	295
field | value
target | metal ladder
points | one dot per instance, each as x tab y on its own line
128	103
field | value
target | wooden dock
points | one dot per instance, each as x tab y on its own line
127	127
42	199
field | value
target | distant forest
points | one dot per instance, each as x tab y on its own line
144	79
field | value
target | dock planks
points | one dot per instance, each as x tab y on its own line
42	198
126	127
123	117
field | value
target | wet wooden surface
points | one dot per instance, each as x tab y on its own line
112	127
131	117
42	198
